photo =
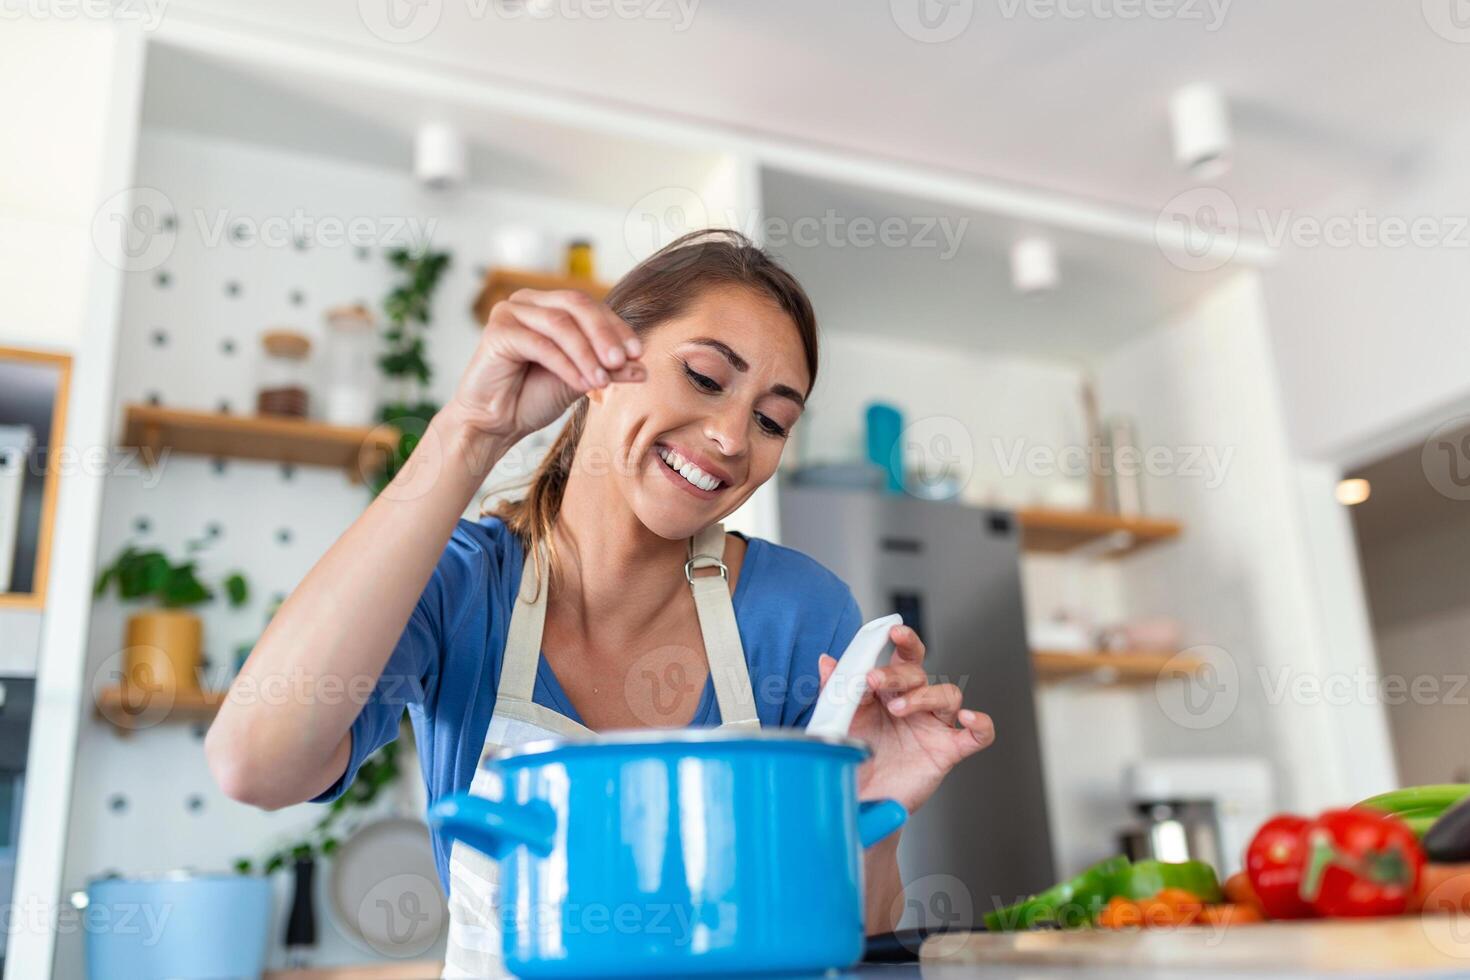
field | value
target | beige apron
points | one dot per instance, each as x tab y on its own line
474	925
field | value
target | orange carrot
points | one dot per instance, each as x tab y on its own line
1442	888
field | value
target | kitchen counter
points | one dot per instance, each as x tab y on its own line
1405	946
913	971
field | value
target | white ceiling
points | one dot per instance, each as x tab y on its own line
326	116
1330	96
1331	99
1110	290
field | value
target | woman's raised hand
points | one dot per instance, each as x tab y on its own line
539	352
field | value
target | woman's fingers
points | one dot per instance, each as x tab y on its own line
609	335
562	329
826	663
976	732
943	700
906	644
897	677
532	347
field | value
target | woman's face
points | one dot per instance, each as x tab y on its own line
726	382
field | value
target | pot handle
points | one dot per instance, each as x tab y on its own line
879	818
495	827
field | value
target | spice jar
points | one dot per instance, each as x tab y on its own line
579	259
351	367
283	373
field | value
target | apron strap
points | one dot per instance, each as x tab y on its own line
727	667
523	638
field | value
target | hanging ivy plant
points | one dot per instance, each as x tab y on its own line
407	310
377	772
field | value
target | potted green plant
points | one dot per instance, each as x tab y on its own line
162	647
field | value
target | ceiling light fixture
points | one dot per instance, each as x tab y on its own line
440	156
1352	492
1034	266
1202	137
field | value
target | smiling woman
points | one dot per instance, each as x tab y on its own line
610	597
705	278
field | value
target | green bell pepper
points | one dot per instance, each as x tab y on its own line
1069	904
1078	902
1147	878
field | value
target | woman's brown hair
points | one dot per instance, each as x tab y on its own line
658	289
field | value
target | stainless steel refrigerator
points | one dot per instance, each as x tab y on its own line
953	573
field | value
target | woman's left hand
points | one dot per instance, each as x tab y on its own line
910	725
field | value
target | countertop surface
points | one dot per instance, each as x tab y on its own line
913	971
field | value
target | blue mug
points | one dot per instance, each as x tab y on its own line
658	853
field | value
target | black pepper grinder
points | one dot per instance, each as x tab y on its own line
301	923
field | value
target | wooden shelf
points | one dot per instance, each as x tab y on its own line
355	449
129	709
500	283
1122	667
1057	531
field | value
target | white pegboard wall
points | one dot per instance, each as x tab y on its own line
189	339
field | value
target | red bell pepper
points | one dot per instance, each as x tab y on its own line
1274	862
1360	862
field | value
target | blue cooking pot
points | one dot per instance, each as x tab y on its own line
660	853
179	925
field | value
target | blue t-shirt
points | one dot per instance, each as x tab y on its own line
446	666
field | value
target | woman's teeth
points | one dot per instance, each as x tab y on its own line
687	470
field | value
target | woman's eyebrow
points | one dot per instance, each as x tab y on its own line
740	364
736	361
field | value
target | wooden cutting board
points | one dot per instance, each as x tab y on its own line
1437	943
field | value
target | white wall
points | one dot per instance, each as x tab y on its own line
1241	577
974	405
1371	340
74	90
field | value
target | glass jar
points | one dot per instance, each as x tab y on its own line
283	374
579	259
351	368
